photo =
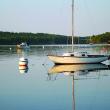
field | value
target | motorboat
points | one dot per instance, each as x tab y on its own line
23	45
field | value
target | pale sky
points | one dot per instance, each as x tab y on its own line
54	16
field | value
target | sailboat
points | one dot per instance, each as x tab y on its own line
77	57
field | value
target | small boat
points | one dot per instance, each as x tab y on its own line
77	57
23	45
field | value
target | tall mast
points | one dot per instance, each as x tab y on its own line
72	24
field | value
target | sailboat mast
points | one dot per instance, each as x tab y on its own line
72	24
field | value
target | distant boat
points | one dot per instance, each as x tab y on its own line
77	57
23	45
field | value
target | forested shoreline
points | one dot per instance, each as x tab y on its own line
13	38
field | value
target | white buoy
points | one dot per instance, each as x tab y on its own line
23	65
23	61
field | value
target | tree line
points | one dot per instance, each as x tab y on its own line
101	38
13	38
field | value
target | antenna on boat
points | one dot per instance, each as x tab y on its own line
72	24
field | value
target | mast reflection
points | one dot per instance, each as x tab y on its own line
79	70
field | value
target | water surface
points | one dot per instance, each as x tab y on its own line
36	88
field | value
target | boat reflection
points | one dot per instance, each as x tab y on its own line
78	69
22	52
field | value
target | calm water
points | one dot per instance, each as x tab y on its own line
41	87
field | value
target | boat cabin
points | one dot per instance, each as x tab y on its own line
78	54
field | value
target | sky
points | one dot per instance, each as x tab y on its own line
54	16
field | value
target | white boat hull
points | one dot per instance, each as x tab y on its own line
77	60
